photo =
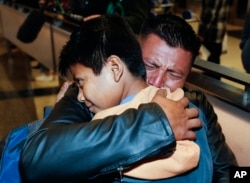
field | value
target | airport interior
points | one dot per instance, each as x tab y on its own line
25	88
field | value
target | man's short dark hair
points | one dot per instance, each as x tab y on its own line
174	30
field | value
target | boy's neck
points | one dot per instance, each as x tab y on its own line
132	87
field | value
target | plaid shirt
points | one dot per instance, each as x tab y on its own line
213	20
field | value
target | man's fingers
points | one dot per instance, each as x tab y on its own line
194	123
191	126
184	101
190	135
192	112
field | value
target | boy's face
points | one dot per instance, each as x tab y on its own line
166	66
98	91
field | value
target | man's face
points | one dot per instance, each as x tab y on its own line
94	89
165	66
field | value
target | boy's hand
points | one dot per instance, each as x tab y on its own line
183	120
63	90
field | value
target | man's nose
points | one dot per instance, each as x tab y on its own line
157	80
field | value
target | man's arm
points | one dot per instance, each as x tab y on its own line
64	148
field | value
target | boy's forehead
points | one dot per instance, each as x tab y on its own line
79	70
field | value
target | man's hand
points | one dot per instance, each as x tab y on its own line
183	120
63	90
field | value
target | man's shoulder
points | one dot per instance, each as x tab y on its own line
192	91
194	95
199	99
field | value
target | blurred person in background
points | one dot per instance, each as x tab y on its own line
212	27
245	44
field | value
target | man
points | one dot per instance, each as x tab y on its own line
169	46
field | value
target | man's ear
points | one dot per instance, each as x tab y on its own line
116	66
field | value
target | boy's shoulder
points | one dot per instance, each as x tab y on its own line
144	96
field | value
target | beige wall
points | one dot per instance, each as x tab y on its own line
236	128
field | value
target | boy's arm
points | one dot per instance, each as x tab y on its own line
184	158
65	148
72	152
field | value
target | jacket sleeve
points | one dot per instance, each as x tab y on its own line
222	155
66	149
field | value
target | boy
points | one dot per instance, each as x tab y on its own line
105	55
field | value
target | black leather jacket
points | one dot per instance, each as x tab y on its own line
222	155
66	149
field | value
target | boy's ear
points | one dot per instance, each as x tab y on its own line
116	66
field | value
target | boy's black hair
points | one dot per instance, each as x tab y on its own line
99	38
174	30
